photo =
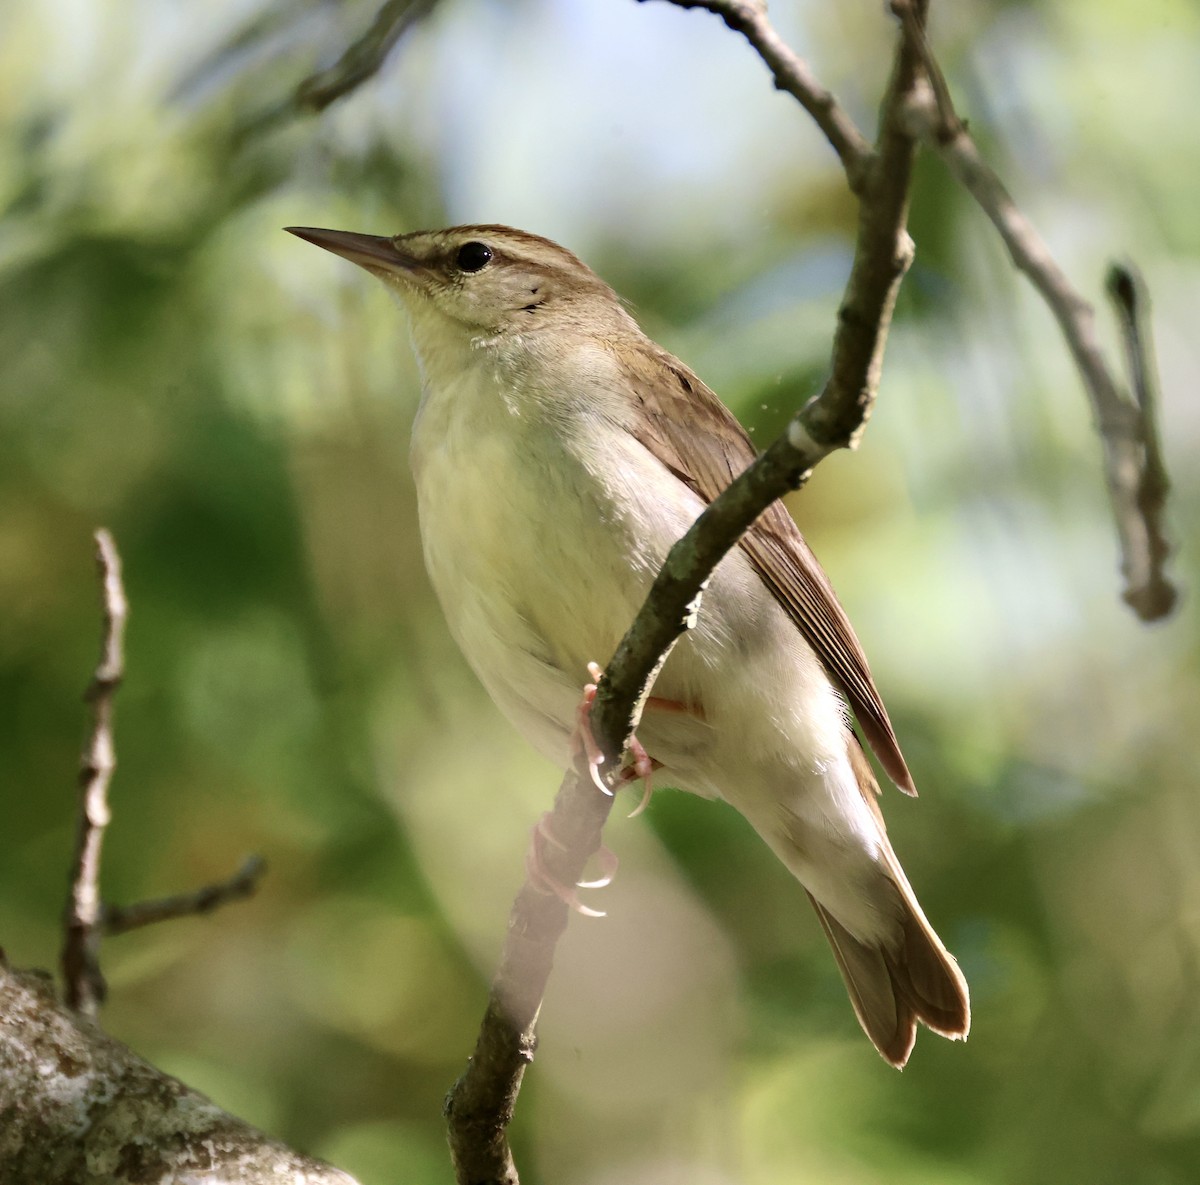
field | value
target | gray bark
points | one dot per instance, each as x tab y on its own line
79	1108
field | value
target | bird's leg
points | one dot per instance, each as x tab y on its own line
641	766
583	742
544	880
673	705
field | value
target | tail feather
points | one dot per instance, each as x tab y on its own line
892	989
911	977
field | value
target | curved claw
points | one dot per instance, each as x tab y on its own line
582	741
570	898
541	878
608	869
642	769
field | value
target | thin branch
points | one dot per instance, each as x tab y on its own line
86	917
83	981
1128	292
480	1106
1132	459
791	73
118	919
360	62
364	59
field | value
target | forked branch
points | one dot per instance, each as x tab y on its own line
87	918
1127	424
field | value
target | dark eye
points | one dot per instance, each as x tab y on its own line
473	257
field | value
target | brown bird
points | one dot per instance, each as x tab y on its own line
558	454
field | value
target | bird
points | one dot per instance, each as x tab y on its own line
558	452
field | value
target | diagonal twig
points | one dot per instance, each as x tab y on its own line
791	73
364	58
1133	468
359	63
480	1106
83	981
120	919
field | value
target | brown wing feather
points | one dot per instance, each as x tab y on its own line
696	436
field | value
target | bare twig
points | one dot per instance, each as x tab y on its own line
1133	468
87	918
364	58
1154	597
83	981
119	919
360	62
480	1105
791	73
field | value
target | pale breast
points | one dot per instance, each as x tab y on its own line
542	534
535	564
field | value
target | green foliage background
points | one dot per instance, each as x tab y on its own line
235	406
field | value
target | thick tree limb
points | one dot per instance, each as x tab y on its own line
480	1105
77	1106
1128	430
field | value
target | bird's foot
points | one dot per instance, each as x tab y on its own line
641	766
543	879
583	741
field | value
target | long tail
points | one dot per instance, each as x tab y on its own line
911	978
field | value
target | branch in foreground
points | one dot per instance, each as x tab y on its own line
82	977
1133	467
480	1106
79	1106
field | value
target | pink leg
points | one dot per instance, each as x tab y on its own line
640	768
542	878
582	740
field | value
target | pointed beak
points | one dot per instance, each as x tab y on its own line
374	252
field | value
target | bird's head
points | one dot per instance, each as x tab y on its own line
481	281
